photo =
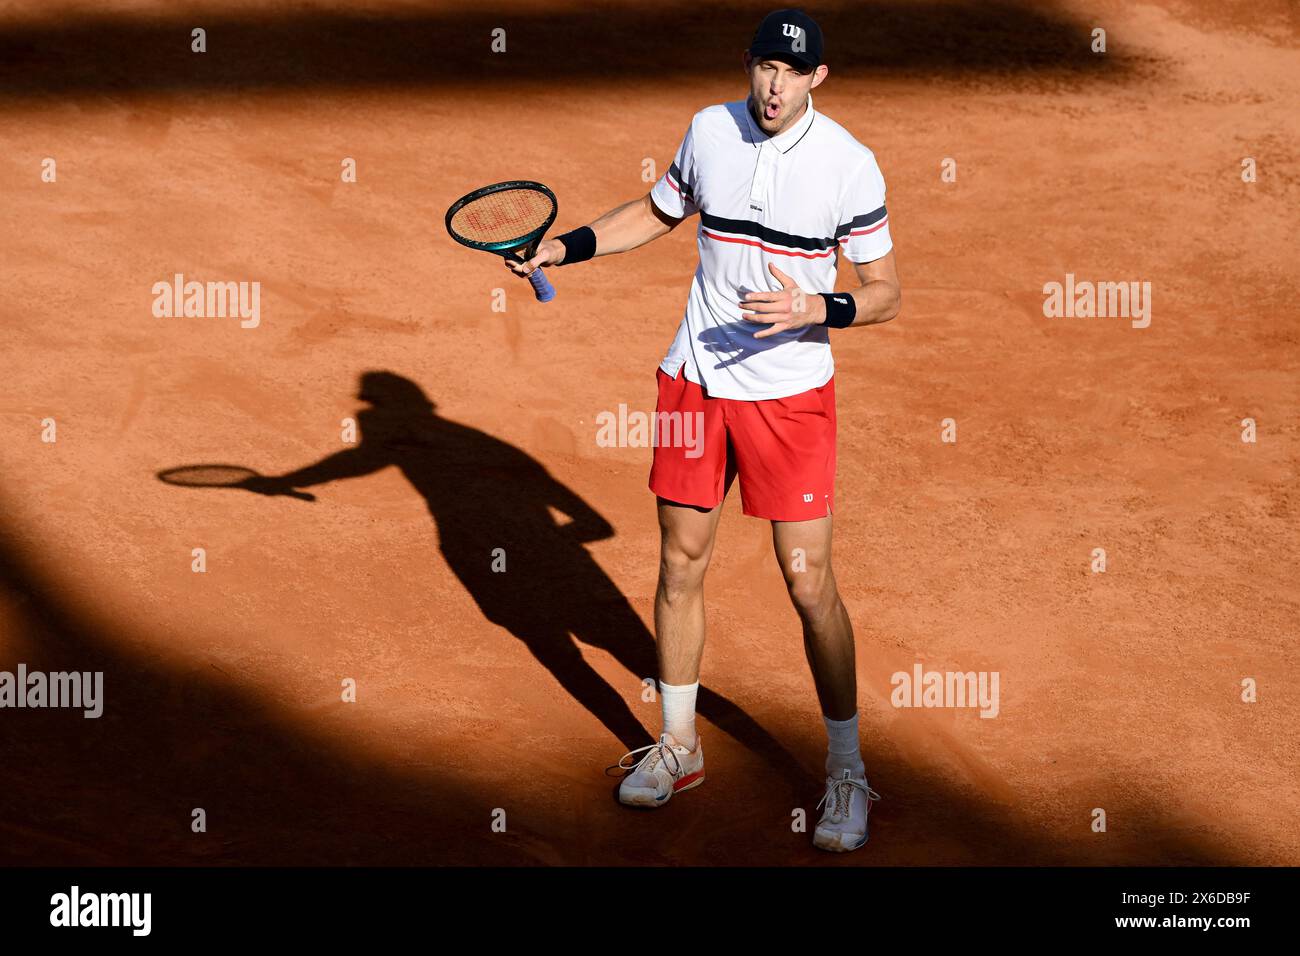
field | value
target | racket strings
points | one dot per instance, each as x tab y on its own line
502	216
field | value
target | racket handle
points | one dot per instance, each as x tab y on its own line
541	285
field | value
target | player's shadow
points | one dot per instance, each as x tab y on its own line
495	509
179	733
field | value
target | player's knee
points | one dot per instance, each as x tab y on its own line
812	592
681	572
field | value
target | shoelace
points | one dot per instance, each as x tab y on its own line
658	751
840	791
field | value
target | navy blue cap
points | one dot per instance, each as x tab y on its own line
789	34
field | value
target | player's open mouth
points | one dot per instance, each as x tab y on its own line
771	110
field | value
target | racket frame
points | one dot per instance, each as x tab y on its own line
511	248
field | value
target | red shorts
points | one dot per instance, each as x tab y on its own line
783	450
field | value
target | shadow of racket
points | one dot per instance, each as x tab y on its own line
229	476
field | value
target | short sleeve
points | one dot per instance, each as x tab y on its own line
863	230
674	192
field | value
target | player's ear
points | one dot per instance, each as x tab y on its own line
819	74
747	60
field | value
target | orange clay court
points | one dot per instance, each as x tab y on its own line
1120	690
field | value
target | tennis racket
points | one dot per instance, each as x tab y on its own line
508	219
228	476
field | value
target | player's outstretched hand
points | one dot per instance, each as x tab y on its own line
549	253
789	308
273	487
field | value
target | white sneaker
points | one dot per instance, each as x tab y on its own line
843	825
667	768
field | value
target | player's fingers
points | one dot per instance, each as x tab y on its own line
760	297
773	330
768	307
523	268
781	277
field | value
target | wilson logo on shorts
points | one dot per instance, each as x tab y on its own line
808	498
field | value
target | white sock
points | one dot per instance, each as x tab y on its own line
679	711
844	751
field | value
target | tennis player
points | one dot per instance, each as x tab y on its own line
782	192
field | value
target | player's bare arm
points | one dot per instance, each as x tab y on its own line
877	298
622	229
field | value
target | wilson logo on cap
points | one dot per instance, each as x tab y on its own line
788	33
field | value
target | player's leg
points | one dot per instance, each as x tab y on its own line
803	549
785	450
686	539
690	474
676	762
689	477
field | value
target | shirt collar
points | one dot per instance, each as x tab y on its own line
785	141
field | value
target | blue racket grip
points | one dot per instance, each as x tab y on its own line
541	285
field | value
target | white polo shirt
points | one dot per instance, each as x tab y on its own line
796	199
